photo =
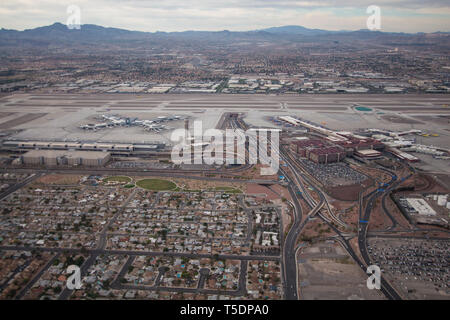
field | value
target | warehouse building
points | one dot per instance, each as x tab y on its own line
64	157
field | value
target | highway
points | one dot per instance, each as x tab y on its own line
363	226
290	249
288	255
296	178
289	260
386	289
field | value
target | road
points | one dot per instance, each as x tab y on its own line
20	184
36	277
363	226
160	173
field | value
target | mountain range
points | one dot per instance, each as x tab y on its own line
89	33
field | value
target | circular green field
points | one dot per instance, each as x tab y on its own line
156	184
122	179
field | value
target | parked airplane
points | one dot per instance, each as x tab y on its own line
149	125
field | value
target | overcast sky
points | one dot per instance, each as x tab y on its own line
235	15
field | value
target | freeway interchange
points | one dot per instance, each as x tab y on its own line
309	202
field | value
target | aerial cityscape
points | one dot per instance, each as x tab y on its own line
274	163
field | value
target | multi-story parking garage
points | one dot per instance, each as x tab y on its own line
64	157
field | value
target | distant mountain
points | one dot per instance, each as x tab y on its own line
61	31
93	35
296	30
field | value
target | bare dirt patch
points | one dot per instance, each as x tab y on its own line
326	271
345	193
63	179
426	183
257	188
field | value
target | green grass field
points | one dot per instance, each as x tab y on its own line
156	184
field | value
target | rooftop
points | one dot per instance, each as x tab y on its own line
68	154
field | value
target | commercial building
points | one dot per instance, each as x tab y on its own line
300	146
63	157
326	155
318	150
353	145
367	154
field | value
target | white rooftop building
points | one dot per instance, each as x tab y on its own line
421	206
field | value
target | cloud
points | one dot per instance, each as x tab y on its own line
175	15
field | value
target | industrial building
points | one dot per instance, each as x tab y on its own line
64	157
424	209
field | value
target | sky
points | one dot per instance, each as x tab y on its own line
233	15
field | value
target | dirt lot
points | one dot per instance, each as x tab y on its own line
347	212
61	179
378	219
346	193
256	188
426	183
255	173
314	230
327	272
